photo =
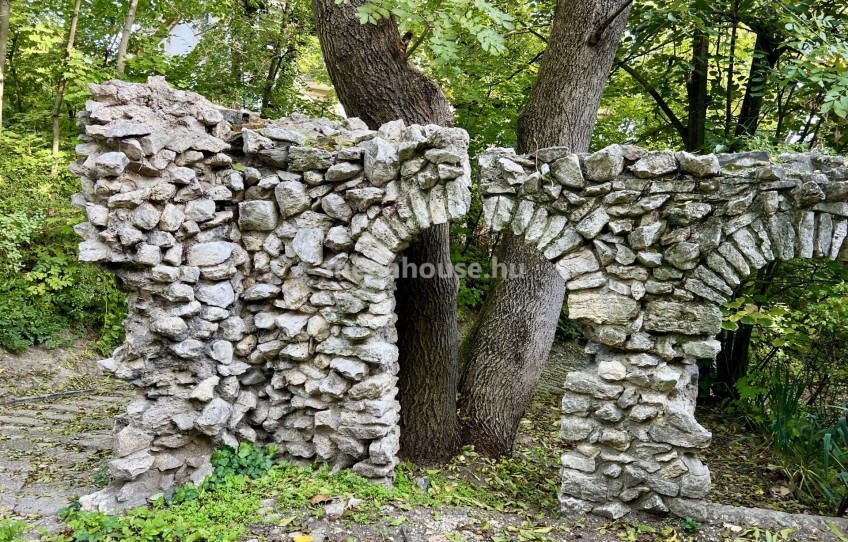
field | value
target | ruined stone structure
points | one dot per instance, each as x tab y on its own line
257	257
650	245
257	262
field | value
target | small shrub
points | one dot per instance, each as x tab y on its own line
12	530
248	460
690	525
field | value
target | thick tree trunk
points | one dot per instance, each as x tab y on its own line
60	85
698	92
427	327
766	55
375	82
125	37
5	15
512	338
506	351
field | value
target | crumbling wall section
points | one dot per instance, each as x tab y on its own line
257	260
650	244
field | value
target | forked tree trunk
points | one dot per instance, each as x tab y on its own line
5	15
125	37
375	82
505	352
60	85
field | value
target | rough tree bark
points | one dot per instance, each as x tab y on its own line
375	82
505	352
698	92
125	37
60	85
5	15
766	54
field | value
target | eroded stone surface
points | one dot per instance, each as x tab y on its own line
257	263
664	240
261	303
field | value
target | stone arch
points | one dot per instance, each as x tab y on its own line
650	244
258	265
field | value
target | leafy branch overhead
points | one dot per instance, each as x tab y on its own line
441	26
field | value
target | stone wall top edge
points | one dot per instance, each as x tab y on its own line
120	110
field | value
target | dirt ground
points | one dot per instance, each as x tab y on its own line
53	450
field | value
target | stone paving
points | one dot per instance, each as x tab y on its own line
52	451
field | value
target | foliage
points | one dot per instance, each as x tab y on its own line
792	57
12	530
44	291
797	372
810	448
798	320
218	513
465	252
443	23
566	329
248	460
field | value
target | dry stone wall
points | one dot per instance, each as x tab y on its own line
257	260
650	244
257	257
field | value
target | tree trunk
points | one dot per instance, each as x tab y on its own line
125	37
698	92
731	68
13	71
512	338
60	85
429	422
375	82
5	15
733	360
766	55
277	60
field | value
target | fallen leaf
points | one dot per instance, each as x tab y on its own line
303	538
733	528
320	499
781	491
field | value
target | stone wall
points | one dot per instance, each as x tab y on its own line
257	257
650	245
257	263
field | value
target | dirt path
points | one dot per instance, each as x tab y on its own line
52	451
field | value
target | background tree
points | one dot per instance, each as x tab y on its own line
5	15
125	37
63	81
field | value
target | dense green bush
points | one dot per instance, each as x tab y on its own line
794	374
46	296
12	530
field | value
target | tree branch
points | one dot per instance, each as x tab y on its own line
424	33
672	117
595	38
